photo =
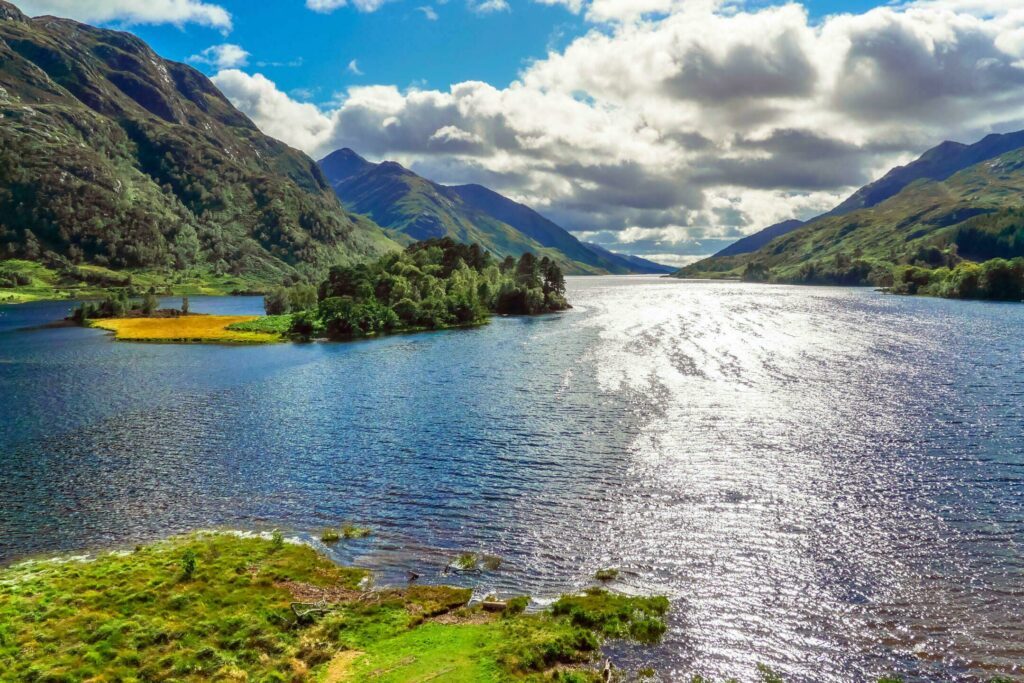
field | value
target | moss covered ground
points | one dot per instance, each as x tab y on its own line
220	607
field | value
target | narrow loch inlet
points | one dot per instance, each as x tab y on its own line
827	481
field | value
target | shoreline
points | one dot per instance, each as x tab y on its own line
235	604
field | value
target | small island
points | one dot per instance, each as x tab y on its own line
245	607
432	285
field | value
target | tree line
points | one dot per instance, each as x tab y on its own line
434	284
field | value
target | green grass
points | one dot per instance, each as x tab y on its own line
351	531
93	282
217	607
269	324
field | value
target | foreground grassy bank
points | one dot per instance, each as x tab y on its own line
220	607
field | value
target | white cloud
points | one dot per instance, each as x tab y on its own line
279	116
226	56
488	6
574	6
177	12
696	124
428	12
328	6
353	68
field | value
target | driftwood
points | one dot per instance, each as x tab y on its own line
303	610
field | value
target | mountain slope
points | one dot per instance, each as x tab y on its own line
759	239
938	163
635	264
530	223
924	203
971	214
113	157
415	208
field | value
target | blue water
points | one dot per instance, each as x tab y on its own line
829	481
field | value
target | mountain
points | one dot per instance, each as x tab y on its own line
341	165
635	264
529	222
938	163
414	208
972	214
759	239
112	158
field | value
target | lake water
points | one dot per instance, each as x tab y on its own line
829	481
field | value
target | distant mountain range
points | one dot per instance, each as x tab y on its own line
640	266
953	195
414	208
938	163
112	157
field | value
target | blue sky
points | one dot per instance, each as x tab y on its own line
307	53
668	135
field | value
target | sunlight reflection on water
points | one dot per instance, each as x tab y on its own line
828	481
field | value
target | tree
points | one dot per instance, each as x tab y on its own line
276	302
554	280
184	305
150	303
755	272
528	272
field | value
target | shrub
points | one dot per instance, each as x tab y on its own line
188	564
517	605
351	531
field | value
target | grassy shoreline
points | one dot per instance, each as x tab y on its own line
187	329
94	282
216	606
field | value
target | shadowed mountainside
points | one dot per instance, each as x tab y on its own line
414	208
114	158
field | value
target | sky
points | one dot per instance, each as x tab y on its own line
663	128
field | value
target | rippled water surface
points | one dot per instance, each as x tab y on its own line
828	481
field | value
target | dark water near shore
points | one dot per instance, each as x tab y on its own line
828	481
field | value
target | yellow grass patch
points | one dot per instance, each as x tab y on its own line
191	329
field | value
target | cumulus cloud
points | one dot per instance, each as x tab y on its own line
488	6
177	12
328	6
298	123
685	124
226	56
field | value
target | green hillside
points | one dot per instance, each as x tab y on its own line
413	208
931	225
113	158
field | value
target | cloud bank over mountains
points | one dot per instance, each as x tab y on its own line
672	126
